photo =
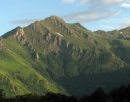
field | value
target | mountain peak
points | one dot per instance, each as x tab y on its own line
55	18
79	25
18	27
12	32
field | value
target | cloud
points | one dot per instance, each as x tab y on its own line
109	2
90	16
68	1
95	10
125	5
107	27
24	21
103	3
83	2
124	24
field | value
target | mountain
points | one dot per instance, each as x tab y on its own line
119	34
55	56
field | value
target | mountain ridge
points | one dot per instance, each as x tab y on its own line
52	55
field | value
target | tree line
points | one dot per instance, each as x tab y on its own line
121	94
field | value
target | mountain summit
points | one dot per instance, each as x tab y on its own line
55	56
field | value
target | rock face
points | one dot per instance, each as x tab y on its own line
37	56
20	35
48	37
1	42
1	38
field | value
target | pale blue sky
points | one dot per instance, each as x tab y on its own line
92	14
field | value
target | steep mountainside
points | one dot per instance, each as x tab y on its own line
52	55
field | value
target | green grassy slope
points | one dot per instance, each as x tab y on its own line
51	55
17	65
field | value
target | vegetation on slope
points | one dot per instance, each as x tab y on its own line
120	94
51	55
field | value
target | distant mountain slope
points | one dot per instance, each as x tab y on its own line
52	55
119	34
